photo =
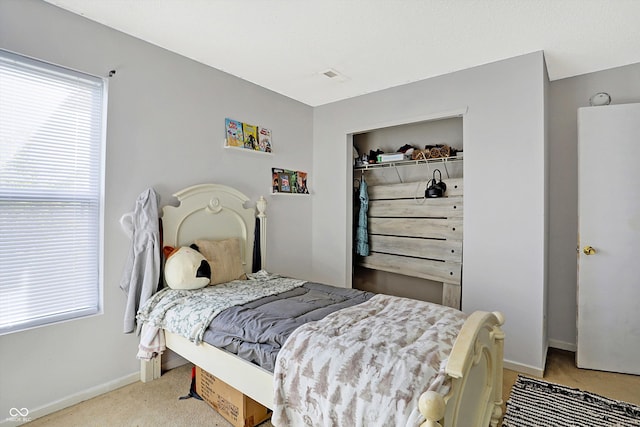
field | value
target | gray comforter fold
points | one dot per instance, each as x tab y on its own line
255	331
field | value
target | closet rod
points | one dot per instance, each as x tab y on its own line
373	166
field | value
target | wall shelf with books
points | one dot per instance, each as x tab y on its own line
287	181
288	194
247	137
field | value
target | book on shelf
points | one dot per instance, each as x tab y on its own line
264	140
301	182
285	182
235	134
250	136
275	180
282	181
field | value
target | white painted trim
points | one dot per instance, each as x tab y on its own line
75	398
523	369
563	345
439	115
458	112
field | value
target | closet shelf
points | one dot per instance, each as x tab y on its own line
371	166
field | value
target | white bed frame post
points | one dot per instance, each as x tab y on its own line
150	369
498	336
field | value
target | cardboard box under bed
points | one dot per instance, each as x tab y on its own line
235	407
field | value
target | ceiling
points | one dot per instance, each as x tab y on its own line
288	45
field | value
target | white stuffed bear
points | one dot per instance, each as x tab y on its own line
186	268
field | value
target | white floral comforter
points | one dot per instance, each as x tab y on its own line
189	312
365	365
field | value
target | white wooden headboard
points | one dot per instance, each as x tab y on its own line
215	212
418	237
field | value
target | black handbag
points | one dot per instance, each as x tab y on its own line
435	188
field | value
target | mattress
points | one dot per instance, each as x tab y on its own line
257	330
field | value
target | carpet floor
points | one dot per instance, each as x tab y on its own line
154	404
157	403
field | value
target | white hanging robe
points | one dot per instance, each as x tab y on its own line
142	269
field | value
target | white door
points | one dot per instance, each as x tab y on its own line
609	222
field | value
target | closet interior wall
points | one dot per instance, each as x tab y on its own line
406	260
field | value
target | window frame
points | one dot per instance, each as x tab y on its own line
102	85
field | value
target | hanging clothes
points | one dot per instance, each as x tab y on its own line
355	218
362	236
141	274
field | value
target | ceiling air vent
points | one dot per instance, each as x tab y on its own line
334	75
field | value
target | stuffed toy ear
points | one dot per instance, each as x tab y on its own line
187	268
167	251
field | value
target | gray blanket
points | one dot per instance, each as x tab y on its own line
255	331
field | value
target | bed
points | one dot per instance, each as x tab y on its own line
471	369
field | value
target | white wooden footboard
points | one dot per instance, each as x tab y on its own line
475	370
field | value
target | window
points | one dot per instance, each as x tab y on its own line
52	133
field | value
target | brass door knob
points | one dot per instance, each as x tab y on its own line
588	250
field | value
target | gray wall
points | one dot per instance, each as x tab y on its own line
165	130
504	144
566	96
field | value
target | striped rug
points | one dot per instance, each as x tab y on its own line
537	403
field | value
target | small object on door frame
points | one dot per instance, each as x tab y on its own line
600	99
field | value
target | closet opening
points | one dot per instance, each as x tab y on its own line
408	198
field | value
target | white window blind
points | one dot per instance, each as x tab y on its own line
52	132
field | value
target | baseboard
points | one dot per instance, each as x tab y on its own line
563	345
73	399
523	369
536	372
